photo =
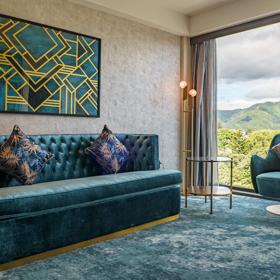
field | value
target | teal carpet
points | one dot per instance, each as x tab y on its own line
242	243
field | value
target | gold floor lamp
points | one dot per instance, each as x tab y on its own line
188	128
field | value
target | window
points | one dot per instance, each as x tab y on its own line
248	97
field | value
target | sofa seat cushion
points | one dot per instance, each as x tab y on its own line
22	200
269	184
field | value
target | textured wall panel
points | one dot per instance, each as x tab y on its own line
139	75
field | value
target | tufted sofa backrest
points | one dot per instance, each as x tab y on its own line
70	161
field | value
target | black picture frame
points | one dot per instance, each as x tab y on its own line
58	29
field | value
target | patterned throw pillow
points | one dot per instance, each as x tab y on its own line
276	150
21	158
108	151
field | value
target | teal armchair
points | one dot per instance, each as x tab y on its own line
265	172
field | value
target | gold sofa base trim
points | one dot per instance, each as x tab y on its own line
83	244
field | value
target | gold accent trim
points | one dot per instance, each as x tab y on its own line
83	244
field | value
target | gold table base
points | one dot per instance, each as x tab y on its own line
210	189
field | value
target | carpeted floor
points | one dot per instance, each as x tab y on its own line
242	243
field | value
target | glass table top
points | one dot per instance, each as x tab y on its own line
209	159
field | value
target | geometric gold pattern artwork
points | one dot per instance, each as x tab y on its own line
45	70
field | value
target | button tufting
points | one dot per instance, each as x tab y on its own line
71	161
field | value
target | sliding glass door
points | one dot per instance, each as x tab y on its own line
248	97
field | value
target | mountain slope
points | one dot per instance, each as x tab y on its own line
259	116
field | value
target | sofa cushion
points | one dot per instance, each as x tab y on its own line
21	158
20	201
108	151
269	184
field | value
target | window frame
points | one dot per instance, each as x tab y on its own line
252	24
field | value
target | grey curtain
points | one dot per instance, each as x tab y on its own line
205	106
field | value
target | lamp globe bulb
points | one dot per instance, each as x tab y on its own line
192	92
183	84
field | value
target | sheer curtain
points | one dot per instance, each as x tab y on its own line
205	106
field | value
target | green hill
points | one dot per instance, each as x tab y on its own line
259	116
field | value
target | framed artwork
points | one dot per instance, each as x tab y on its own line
46	70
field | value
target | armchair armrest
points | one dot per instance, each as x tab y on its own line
261	165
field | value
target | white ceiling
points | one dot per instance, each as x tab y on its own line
186	17
187	7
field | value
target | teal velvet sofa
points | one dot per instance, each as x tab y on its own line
72	201
265	172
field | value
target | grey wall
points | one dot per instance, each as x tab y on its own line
139	77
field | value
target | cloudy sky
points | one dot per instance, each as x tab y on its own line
249	67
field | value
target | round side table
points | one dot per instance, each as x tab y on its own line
273	209
209	189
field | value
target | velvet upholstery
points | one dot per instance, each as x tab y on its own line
53	228
259	165
71	162
72	201
276	149
19	201
269	184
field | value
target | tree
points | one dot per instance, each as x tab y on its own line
240	146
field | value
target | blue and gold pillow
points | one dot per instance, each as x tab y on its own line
108	151
276	150
21	158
